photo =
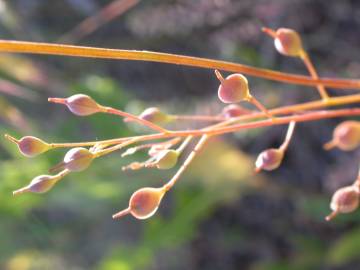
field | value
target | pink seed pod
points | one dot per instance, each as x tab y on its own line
31	146
39	184
154	115
269	159
234	110
233	88
344	200
143	203
166	159
79	104
288	42
78	159
346	136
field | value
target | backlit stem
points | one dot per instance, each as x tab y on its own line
11	46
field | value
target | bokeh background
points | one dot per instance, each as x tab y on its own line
219	215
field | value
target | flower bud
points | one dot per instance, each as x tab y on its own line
288	42
233	88
154	115
346	136
78	159
39	184
79	104
344	200
30	146
269	159
234	110
166	159
143	203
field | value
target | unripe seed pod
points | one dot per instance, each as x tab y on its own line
233	88
288	42
269	159
344	200
78	159
346	136
154	115
79	104
166	159
39	184
143	203
234	110
31	146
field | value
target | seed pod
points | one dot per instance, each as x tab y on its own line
79	104
346	136
31	146
154	115
288	42
344	200
78	159
39	184
269	159
166	159
234	110
233	88
143	203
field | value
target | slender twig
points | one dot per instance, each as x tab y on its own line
187	162
12	46
332	101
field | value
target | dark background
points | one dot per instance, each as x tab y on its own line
219	215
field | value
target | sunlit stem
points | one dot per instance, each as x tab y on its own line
149	124
259	105
57	100
187	162
184	144
116	147
330	145
219	76
165	144
205	118
310	67
12	46
12	139
269	32
122	213
290	131
332	215
312	105
110	110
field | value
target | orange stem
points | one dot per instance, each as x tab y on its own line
12	46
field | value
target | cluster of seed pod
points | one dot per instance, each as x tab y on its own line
164	155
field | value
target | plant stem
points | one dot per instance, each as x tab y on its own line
149	124
12	46
187	162
289	134
305	117
310	67
332	101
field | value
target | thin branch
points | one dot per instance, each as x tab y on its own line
12	46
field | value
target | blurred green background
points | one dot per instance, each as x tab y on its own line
219	215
